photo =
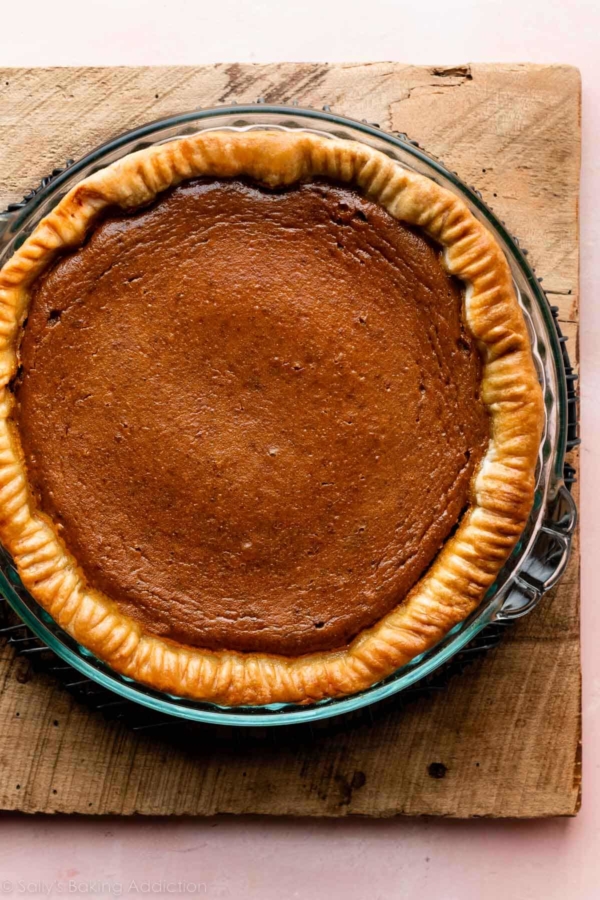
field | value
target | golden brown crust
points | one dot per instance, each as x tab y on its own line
502	491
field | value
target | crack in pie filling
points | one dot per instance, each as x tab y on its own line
270	419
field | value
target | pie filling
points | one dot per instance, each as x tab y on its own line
253	415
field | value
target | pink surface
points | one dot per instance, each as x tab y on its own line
265	858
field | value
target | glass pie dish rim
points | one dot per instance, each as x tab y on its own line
491	607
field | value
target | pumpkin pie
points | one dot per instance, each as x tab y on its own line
269	420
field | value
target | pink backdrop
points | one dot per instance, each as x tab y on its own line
264	858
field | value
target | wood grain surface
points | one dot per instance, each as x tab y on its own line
504	737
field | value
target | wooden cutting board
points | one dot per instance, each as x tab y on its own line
504	737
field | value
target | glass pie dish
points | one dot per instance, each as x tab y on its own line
539	557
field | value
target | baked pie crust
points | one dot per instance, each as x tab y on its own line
501	491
